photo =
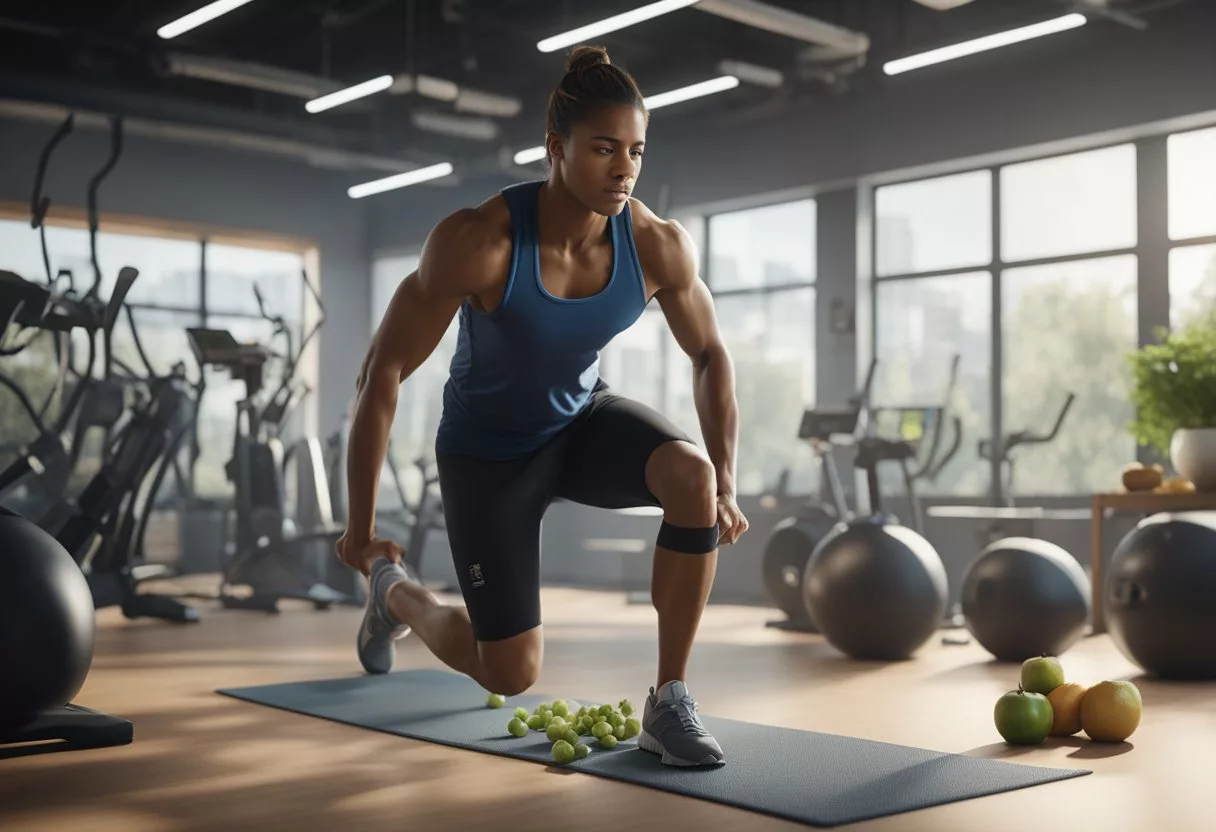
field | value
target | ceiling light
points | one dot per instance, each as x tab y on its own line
197	18
971	47
665	99
532	154
611	24
336	99
400	180
653	102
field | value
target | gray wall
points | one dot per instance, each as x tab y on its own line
230	190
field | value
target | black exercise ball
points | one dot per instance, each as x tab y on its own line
1159	595
46	622
876	590
1024	597
786	553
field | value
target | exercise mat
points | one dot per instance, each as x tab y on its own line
814	778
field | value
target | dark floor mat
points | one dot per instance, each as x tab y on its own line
813	778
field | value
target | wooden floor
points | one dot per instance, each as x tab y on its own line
203	761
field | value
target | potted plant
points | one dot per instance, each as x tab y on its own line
1174	396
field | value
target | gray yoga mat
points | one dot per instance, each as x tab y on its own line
814	778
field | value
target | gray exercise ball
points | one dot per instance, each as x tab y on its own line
876	590
1024	597
46	623
1159	595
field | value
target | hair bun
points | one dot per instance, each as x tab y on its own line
585	57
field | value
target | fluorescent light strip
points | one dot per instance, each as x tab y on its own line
336	99
713	85
611	24
995	41
400	180
197	18
653	102
532	154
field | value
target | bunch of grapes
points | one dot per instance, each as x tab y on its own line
566	728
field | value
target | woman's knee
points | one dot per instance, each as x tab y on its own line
683	479
512	665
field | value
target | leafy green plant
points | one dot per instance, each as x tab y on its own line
1174	384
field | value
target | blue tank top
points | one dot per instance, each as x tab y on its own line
524	371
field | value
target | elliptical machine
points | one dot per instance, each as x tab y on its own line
101	528
267	555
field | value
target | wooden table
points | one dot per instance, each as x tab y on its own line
1143	502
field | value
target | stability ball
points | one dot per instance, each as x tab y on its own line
46	623
1024	597
876	590
786	553
1160	595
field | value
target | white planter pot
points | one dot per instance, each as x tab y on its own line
1193	453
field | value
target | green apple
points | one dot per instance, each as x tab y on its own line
1023	717
1042	674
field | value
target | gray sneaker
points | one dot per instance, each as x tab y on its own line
379	630
671	727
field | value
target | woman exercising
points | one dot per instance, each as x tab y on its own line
543	276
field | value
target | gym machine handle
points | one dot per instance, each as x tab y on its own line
1026	437
39	204
94	185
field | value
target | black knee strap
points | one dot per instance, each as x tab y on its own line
689	541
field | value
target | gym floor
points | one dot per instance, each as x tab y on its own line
204	761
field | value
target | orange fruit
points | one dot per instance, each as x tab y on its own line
1066	708
1111	711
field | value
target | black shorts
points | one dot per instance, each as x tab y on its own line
494	508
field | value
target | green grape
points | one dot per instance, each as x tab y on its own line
581	751
556	730
626	707
517	727
608	741
616	720
536	722
496	700
522	714
619	731
606	710
633	727
545	706
571	736
563	752
601	730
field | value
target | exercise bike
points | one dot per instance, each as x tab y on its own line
1006	518
789	546
268	555
892	433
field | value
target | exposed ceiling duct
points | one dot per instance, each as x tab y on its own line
838	40
251	75
312	154
303	85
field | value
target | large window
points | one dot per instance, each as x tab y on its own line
1065	273
925	319
182	282
420	399
762	269
1192	226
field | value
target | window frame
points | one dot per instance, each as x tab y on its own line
997	266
